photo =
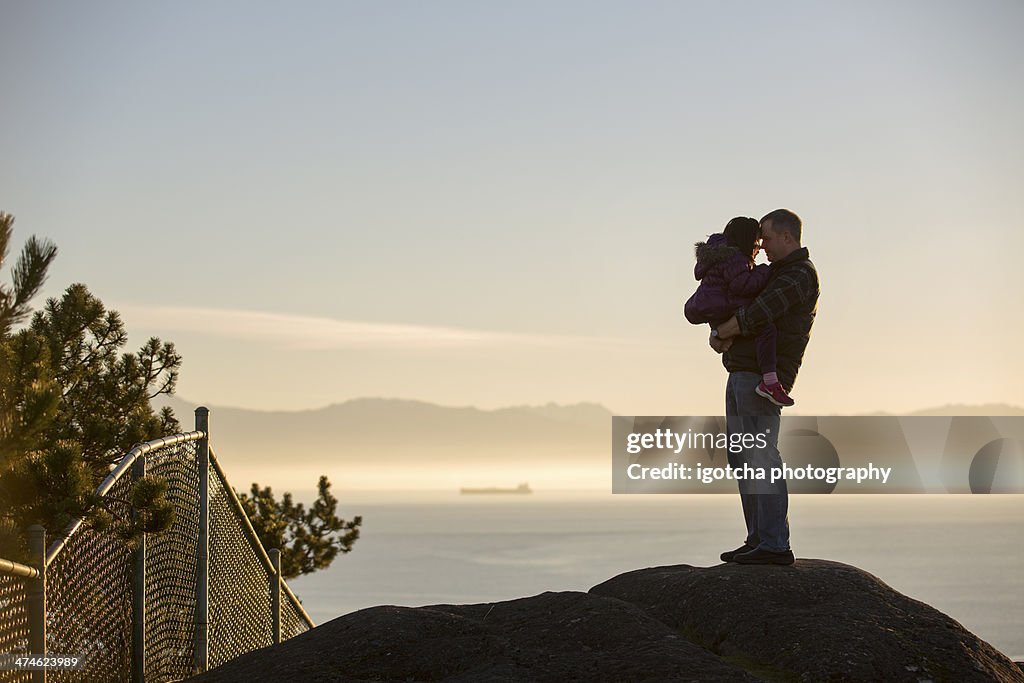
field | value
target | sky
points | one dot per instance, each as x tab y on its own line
495	204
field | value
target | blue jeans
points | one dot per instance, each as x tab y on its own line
765	505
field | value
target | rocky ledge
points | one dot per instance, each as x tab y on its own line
814	621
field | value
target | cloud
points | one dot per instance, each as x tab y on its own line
319	333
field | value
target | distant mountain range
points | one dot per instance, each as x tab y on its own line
391	435
375	436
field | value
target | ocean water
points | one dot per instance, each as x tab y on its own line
964	555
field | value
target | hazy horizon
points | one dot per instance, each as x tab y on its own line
380	444
971	409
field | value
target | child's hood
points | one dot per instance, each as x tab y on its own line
711	253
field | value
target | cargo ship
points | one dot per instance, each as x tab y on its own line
522	488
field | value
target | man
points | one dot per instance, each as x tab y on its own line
790	301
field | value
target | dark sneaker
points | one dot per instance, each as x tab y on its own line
728	555
774	393
759	556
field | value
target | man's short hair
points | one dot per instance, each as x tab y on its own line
784	220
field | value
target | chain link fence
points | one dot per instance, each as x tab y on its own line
89	603
171	564
13	624
239	619
94	597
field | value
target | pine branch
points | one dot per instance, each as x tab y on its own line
29	274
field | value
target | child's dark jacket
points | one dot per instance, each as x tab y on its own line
727	281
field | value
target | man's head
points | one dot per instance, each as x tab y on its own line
780	234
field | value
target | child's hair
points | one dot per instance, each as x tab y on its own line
742	233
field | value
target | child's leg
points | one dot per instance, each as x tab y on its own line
770	387
766	357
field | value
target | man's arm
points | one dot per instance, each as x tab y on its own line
729	329
786	291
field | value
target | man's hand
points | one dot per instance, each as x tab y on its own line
718	344
729	329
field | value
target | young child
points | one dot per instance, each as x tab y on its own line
729	280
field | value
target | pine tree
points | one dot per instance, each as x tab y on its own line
70	406
105	398
308	539
28	394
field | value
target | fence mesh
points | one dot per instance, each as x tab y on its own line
89	602
239	582
171	568
13	624
293	621
89	588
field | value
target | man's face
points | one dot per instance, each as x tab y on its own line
770	241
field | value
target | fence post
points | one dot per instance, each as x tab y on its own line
275	594
36	597
201	656
139	593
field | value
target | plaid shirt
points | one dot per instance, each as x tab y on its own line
790	288
790	302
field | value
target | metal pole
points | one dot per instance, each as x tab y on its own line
36	595
139	593
201	657
275	594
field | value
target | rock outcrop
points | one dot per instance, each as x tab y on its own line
814	621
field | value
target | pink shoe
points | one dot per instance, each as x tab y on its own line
774	393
